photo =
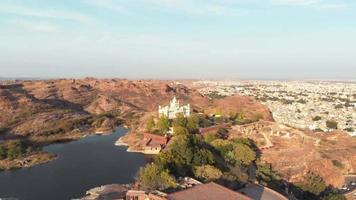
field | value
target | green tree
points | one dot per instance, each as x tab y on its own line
152	177
222	133
3	153
163	124
207	173
204	121
183	152
244	154
180	120
202	157
313	183
15	149
240	116
331	124
210	137
150	124
179	130
334	196
239	172
192	122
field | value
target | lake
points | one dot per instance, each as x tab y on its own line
80	165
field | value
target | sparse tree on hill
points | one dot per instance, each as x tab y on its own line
3	153
192	122
179	130
180	120
313	183
163	124
150	124
331	124
222	133
258	116
316	118
240	116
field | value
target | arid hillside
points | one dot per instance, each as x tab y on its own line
68	108
293	152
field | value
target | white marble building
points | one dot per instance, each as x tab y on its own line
173	109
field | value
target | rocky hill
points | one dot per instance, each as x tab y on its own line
293	152
68	108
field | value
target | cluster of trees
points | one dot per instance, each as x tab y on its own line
214	157
99	119
225	161
179	124
153	177
14	149
240	119
314	187
215	95
64	126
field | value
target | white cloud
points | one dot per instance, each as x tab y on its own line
295	2
36	26
317	4
50	14
203	8
109	4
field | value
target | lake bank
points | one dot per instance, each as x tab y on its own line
80	165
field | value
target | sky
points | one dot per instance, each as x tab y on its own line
178	39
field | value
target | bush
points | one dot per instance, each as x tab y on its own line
338	106
313	183
334	196
244	154
257	116
3	152
302	101
2	131
222	133
316	118
12	149
349	129
210	137
153	177
338	164
331	124
207	173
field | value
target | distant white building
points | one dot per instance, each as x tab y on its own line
173	109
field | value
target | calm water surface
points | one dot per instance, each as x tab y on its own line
80	165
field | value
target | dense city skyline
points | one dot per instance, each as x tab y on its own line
168	39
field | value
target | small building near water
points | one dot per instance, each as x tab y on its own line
153	144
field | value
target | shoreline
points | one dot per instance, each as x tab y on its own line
42	156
